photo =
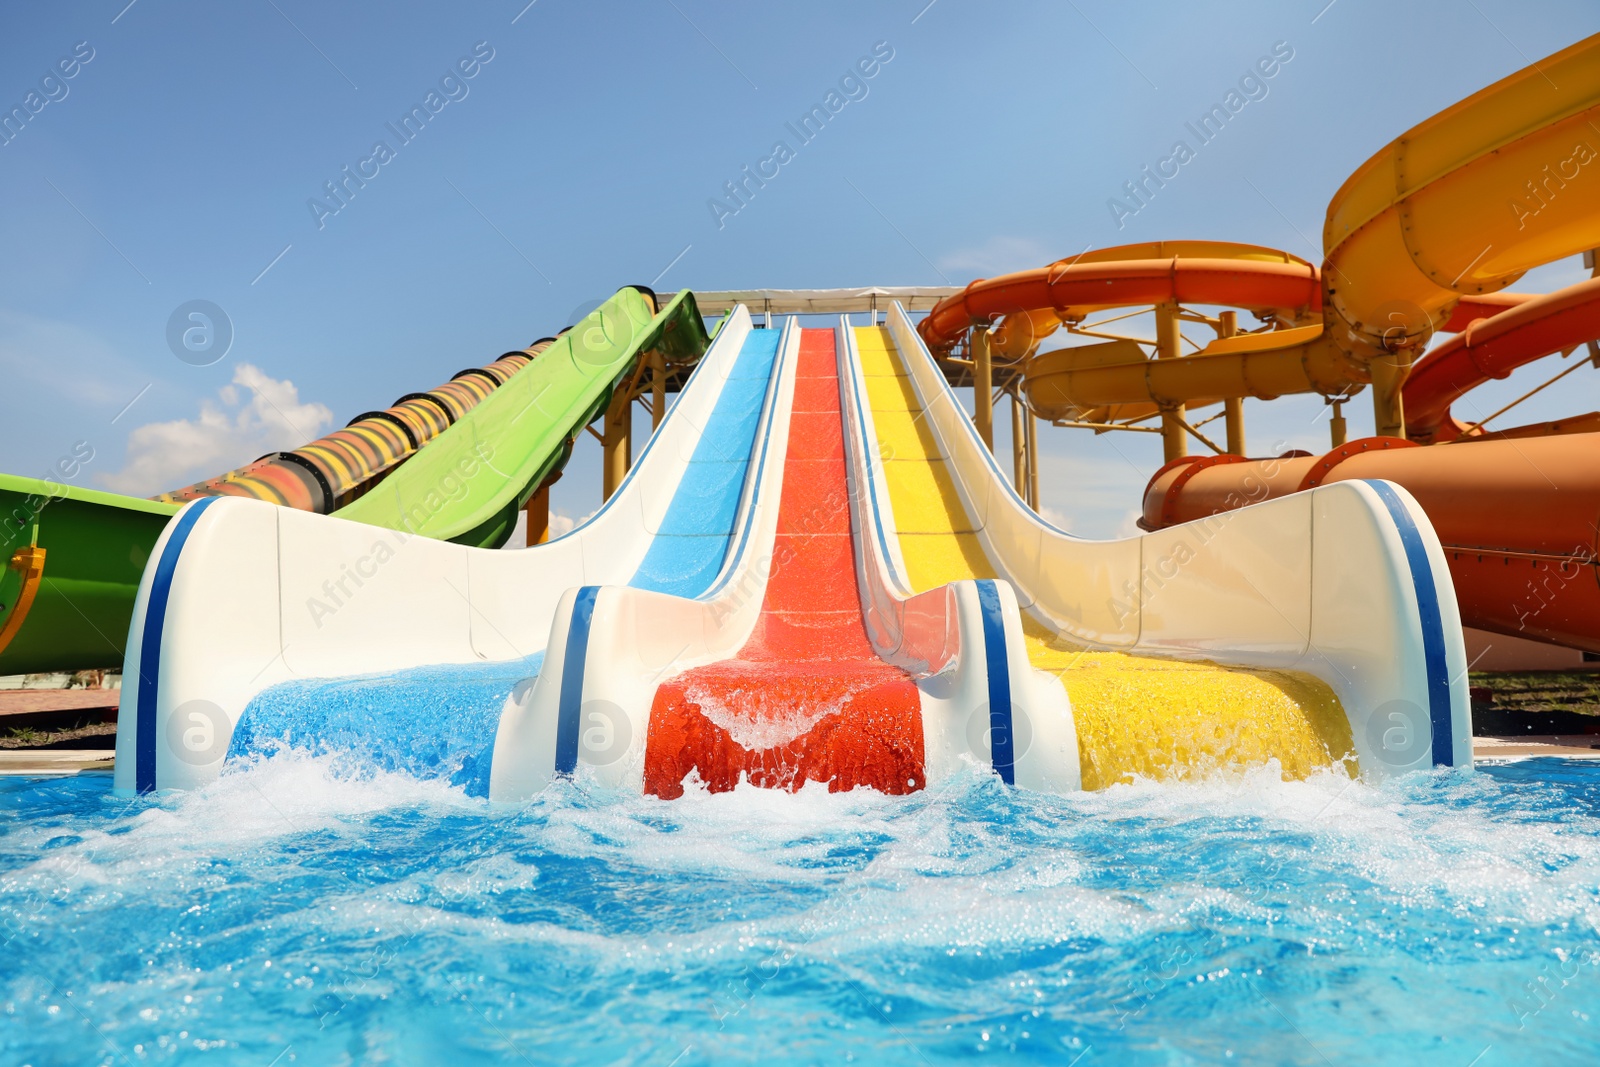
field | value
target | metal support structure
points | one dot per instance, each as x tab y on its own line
538	509
982	386
1233	406
1336	425
1030	433
1019	448
1389	373
616	442
658	389
1169	345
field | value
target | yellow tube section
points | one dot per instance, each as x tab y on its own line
1464	203
1458	206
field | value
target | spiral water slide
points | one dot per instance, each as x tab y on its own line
1454	210
1421	238
452	466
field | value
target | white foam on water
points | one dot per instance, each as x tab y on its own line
968	865
755	719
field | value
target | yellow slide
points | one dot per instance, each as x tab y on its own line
1135	715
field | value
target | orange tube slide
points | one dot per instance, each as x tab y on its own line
1493	348
1517	518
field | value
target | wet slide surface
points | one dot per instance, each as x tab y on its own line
807	698
439	721
687	552
1135	715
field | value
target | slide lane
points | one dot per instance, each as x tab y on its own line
805	662
1135	715
441	720
257	640
468	484
1339	608
806	698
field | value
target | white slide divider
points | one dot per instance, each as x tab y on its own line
253	594
1345	582
974	703
611	646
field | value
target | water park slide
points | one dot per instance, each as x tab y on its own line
94	545
1010	637
1421	226
1342	597
249	597
76	610
803	664
791	645
1492	346
470	482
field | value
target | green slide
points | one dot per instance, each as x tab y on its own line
465	485
95	546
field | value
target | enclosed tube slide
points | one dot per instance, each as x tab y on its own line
242	596
1517	517
1422	225
335	469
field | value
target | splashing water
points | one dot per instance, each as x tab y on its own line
294	909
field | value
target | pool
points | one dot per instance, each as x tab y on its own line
298	912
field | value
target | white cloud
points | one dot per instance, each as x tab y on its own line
1130	524
229	432
998	255
1056	517
560	526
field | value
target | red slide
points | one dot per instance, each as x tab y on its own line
1492	348
807	698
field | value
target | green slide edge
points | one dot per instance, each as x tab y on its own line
96	545
467	484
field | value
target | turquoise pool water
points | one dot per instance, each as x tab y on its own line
298	911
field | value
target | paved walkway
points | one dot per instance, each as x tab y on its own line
35	762
1565	746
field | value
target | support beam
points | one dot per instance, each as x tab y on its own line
1019	449
1336	425
538	509
616	443
1169	345
1030	434
1233	406
1389	373
982	386
658	388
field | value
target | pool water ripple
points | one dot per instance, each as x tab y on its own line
318	910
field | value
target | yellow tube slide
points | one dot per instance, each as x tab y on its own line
1457	206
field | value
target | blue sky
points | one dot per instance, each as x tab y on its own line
177	164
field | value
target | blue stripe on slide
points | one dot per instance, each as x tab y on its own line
1002	747
571	709
155	621
1432	624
